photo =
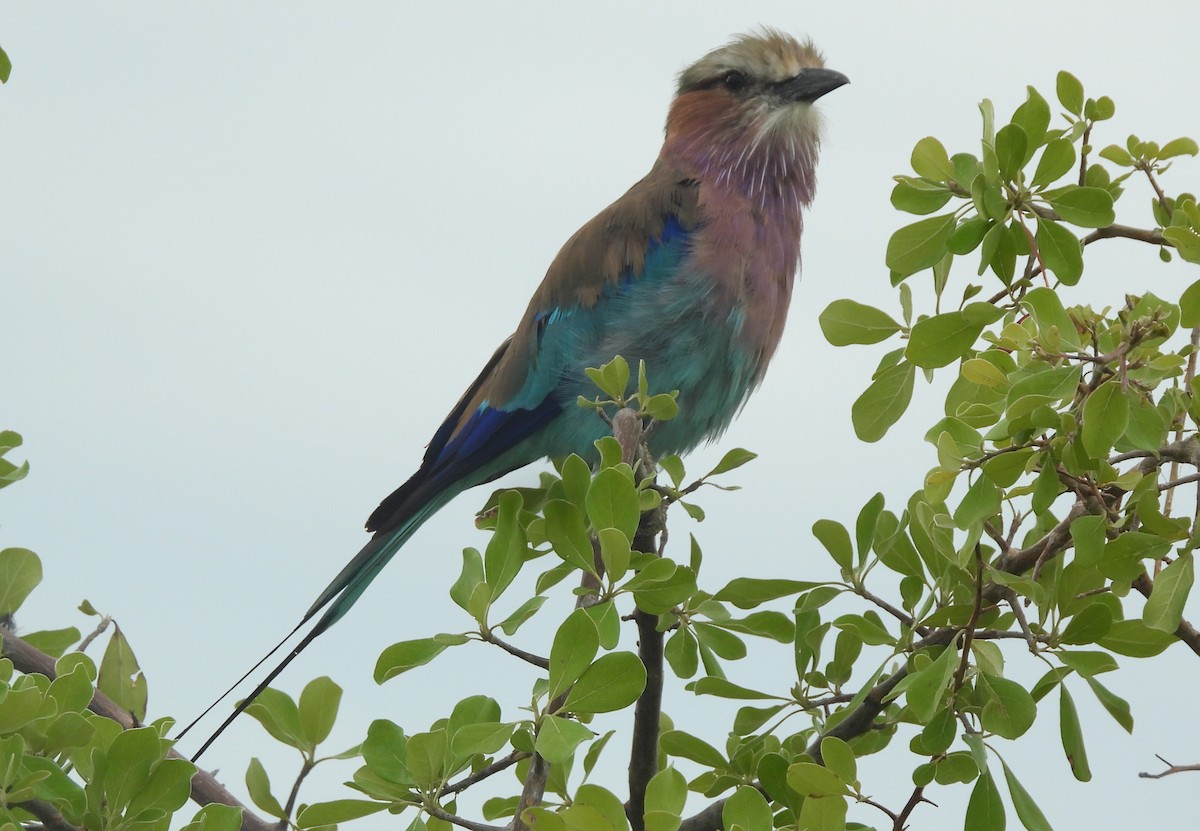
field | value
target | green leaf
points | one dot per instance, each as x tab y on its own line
483	737
939	340
1186	242
216	817
981	371
1060	250
611	683
1178	147
1028	812
1088	663
470	577
748	592
811	779
666	795
602	808
1047	309
868	630
1189	306
1072	736
1070	92
20	572
1033	117
916	196
567	533
985	809
1117	155
663	406
1090	624
405	655
747	808
732	460
723	688
930	161
277	713
5	67
836	539
612	378
318	709
686	746
575	645
612	502
1105	416
823	814
926	688
981	502
839	758
385	749
1165	605
425	757
506	549
883	402
846	322
1084	206
919	245
1135	639
967	236
129	760
1116	706
1057	160
1009	709
523	613
336	811
558	737
259	786
121	678
1011	144
682	652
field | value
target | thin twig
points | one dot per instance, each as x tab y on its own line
95	633
305	770
461	822
1170	769
483	773
918	796
537	660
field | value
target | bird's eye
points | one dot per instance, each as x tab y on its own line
735	81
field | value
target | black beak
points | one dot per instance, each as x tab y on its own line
811	84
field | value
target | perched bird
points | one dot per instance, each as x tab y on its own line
691	271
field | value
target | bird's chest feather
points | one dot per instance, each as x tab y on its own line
704	313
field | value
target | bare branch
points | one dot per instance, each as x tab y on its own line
461	822
491	770
1170	769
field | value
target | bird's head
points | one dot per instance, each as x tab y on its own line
742	116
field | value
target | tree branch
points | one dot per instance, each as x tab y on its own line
49	816
205	788
1170	769
536	660
491	770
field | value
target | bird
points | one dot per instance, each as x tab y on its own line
691	271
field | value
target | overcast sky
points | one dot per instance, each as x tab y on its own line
252	253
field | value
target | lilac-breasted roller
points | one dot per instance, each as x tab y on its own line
691	271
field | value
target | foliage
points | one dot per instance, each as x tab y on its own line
1047	516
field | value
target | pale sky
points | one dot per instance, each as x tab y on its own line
252	253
